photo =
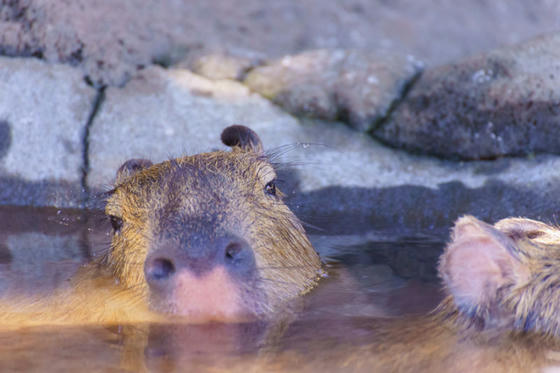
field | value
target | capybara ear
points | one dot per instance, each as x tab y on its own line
131	167
477	262
244	137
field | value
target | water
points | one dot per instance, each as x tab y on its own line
371	277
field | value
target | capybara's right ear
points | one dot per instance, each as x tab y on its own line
243	137
131	167
477	262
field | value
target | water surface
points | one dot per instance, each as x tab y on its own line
370	277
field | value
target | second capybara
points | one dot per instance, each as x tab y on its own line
200	238
501	312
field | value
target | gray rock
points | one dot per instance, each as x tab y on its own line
169	113
353	86
110	40
506	102
43	113
341	181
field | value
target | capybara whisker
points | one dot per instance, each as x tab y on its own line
262	268
278	152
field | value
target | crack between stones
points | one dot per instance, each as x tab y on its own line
378	123
394	105
96	106
407	87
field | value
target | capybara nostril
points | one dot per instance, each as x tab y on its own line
158	269
237	255
232	251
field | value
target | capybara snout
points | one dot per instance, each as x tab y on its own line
203	278
229	251
208	235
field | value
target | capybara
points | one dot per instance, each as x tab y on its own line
199	238
501	312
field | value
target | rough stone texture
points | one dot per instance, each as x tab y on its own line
353	86
109	40
505	102
43	112
343	181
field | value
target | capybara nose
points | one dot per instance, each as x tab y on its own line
236	254
159	269
229	251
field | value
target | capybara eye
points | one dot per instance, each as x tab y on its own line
534	234
116	223
270	188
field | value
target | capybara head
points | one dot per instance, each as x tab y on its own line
207	236
506	275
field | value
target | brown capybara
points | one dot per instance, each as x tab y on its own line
501	312
199	238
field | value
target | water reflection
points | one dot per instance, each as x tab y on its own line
368	279
39	248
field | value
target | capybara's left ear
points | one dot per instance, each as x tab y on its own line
131	167
243	137
478	261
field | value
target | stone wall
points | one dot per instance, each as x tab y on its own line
387	118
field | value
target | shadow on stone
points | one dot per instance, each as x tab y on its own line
5	254
20	192
5	138
410	209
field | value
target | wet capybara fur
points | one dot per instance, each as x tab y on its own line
501	312
199	238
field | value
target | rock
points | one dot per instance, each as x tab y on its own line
505	102
354	86
43	112
169	113
335	178
219	65
110	40
106	39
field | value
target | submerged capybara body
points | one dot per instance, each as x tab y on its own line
202	238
